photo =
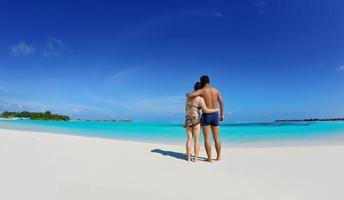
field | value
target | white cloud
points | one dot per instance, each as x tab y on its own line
260	3
341	68
260	6
216	14
200	13
53	48
262	12
22	49
123	75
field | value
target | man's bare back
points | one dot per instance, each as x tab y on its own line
210	96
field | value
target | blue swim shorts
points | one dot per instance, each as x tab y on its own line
210	119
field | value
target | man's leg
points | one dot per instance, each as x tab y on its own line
207	144
216	130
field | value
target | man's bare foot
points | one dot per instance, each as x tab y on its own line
209	160
218	158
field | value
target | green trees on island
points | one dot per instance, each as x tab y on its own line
35	115
311	120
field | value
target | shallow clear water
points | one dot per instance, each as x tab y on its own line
175	133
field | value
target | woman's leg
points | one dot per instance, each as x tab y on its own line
188	142
196	135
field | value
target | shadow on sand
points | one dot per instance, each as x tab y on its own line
173	154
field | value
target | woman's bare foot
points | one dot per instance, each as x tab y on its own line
189	158
209	160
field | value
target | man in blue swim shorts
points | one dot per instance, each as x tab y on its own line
210	121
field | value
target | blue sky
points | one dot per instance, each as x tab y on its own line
137	59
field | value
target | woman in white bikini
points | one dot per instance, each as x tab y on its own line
192	122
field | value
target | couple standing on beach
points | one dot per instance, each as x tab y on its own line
204	97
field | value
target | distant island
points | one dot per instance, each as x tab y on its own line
310	120
34	116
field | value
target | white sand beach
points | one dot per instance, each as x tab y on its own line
42	166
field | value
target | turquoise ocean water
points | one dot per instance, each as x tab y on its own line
238	133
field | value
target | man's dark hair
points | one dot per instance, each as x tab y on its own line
204	80
198	86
